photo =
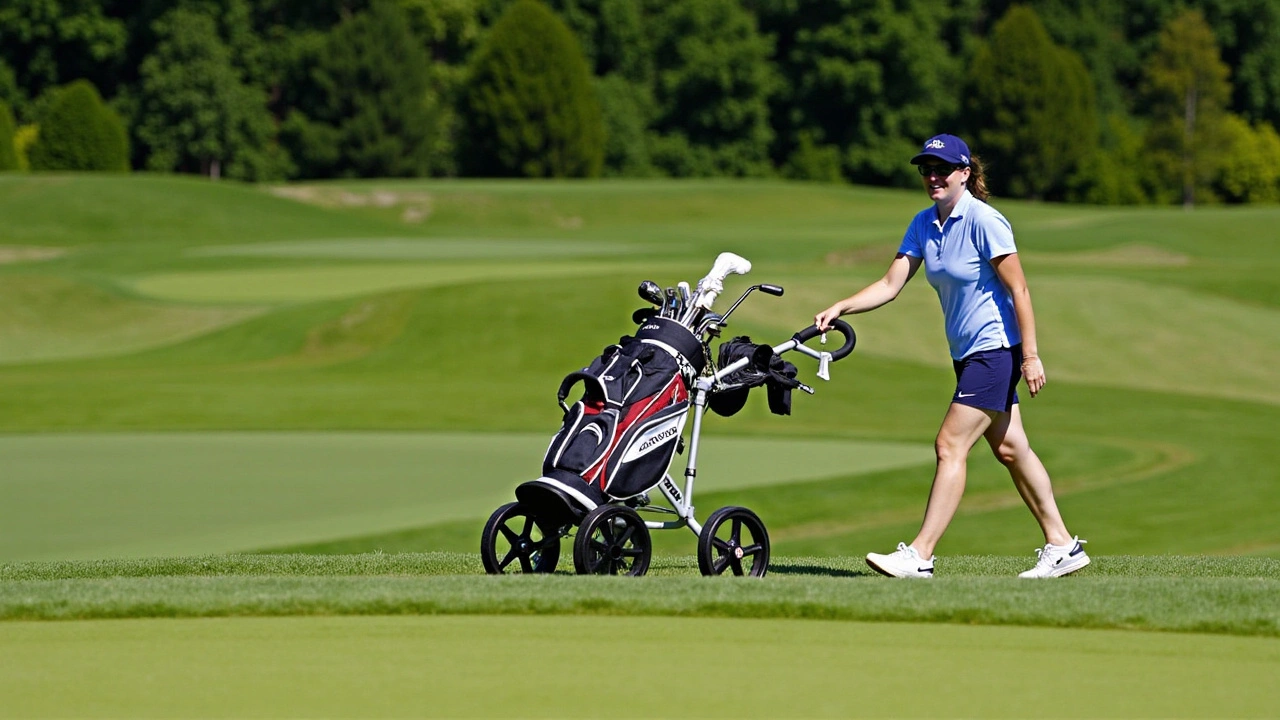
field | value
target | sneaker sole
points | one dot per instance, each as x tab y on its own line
888	573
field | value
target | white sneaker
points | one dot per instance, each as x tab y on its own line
1058	560
904	562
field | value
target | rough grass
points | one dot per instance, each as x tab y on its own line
1230	596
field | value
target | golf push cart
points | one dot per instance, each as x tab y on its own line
617	442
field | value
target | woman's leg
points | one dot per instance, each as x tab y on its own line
961	428
1008	440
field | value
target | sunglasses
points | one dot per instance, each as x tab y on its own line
941	170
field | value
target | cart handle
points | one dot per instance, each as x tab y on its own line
850	338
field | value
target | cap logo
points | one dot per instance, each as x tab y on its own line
935	144
964	159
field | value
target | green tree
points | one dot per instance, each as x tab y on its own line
1247	32
1188	89
79	132
365	107
8	155
23	138
1251	166
450	30
811	161
625	108
530	109
1116	173
51	42
1030	104
10	93
196	113
614	35
871	79
712	86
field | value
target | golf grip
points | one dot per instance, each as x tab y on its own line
840	326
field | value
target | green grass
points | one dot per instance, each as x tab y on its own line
88	496
190	367
485	666
1231	596
184	306
179	306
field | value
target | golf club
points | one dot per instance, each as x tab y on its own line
650	291
774	290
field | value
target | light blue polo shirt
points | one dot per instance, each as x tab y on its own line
957	262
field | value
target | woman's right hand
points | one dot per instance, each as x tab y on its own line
823	319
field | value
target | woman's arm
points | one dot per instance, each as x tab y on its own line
1009	270
874	295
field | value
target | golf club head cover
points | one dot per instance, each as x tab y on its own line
710	287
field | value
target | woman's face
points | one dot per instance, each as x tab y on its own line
943	181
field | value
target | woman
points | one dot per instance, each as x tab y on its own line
969	256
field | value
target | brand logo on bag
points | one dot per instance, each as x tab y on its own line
653	438
658	439
651	326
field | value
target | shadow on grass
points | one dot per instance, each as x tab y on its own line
809	569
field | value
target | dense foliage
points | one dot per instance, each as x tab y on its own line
8	156
1081	100
79	132
365	106
1032	105
529	109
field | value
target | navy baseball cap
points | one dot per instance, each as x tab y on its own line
947	148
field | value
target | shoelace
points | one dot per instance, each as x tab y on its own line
904	550
1044	556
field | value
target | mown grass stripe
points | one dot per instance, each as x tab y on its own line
1236	606
448	563
1209	595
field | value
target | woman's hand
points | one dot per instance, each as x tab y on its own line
823	319
1033	373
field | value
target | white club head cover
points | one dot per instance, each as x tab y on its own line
712	285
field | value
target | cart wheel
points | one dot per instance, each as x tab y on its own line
514	533
612	539
723	545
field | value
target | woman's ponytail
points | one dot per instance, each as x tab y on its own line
977	183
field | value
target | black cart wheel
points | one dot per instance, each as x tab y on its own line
514	534
733	539
612	540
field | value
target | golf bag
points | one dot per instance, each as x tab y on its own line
619	439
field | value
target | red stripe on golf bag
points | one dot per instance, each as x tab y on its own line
621	436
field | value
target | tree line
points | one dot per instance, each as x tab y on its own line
1099	101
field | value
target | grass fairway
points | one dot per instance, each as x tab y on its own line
564	666
133	495
157	305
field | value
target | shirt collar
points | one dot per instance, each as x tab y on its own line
962	206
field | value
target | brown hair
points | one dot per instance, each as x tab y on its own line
977	183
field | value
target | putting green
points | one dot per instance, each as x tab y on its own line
538	666
121	495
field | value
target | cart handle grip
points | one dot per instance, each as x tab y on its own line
840	326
